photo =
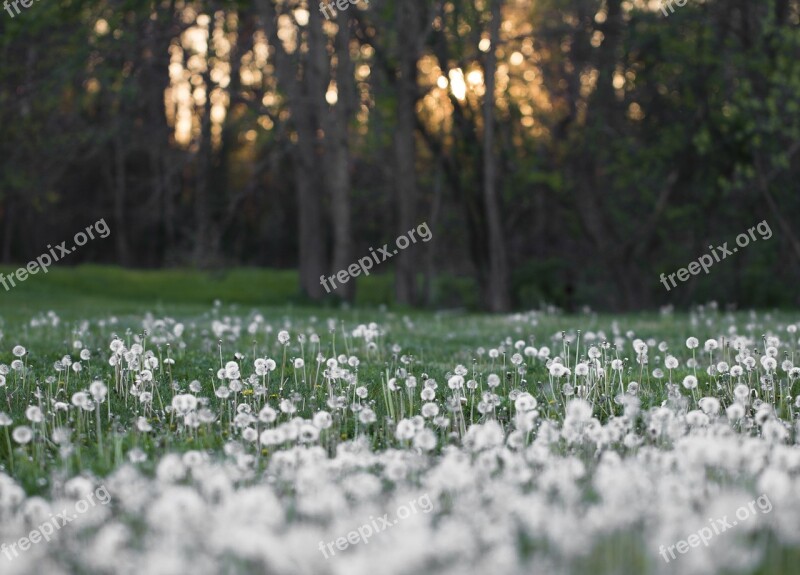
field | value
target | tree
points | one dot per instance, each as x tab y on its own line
410	36
498	294
301	76
337	154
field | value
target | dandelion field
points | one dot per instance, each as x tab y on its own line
239	440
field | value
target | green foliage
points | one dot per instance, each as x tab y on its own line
670	133
538	283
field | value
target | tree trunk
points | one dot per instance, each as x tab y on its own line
305	94
337	154
307	160
404	145
205	232
311	244
120	193
155	82
430	257
498	297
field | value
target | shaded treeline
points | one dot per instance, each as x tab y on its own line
567	151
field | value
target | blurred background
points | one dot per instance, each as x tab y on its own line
560	151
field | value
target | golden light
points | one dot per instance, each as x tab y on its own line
220	97
475	78
101	27
199	96
196	39
442	82
247	76
332	95
516	59
635	112
175	71
265	122
218	113
527	46
183	127
589	82
260	49
484	45
183	94
218	73
301	15
196	64
188	15
287	32
457	84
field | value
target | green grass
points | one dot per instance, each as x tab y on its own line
87	287
87	298
93	283
96	294
94	304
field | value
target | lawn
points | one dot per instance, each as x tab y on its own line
215	423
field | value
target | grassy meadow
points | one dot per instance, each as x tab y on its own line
235	429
